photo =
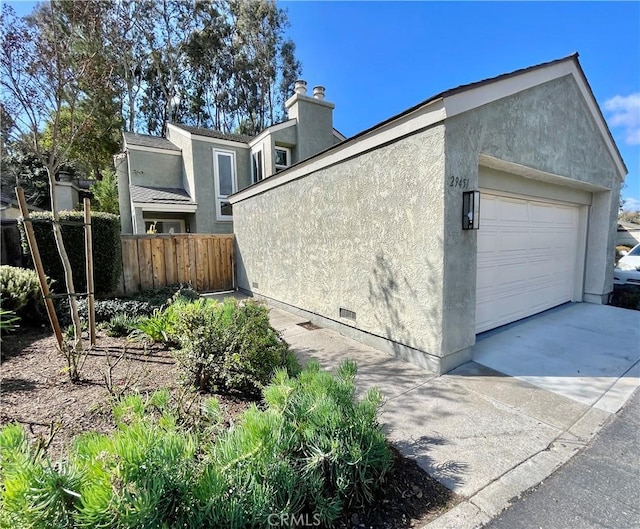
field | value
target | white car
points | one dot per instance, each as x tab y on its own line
627	271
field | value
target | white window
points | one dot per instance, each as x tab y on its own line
224	163
283	158
257	166
164	226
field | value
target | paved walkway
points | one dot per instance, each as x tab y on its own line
486	436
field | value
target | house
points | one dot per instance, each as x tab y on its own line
628	234
181	183
370	237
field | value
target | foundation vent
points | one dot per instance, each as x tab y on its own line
346	313
254	284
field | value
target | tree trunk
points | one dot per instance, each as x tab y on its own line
73	356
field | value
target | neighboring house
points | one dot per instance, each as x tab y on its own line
368	236
181	183
628	234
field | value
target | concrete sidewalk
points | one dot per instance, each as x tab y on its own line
486	436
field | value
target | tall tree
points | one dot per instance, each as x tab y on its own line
49	71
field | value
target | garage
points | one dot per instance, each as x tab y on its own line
527	257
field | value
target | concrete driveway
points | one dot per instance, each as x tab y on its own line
585	352
538	392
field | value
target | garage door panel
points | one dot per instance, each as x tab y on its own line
526	258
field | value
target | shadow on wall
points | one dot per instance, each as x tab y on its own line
392	295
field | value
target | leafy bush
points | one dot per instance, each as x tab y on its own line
107	261
120	325
313	451
229	346
20	291
105	309
8	321
161	325
160	297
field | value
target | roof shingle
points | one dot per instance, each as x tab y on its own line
160	195
143	140
209	133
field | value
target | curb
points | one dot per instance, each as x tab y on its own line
491	500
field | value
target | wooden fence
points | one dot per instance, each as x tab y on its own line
152	261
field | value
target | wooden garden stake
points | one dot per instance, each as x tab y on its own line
35	253
89	256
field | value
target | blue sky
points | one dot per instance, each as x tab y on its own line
377	59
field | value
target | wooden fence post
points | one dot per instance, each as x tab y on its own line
35	253
88	248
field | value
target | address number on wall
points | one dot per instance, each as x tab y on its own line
462	183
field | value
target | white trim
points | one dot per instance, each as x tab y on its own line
260	150
271	129
339	135
420	118
275	157
153	149
153	206
160	219
435	111
219	198
207	139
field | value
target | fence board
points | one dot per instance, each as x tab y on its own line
130	265
146	264
157	262
152	261
171	267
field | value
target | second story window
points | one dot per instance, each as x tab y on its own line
282	158
257	172
225	182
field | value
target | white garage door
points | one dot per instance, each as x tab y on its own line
526	258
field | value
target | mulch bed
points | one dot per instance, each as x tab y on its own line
35	390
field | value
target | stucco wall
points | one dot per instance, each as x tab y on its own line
155	169
547	128
365	234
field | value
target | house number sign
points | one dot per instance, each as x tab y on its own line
462	183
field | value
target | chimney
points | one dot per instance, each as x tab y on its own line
318	92
301	87
314	116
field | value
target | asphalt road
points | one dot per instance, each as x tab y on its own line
599	488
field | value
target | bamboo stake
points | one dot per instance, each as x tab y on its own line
89	255
35	253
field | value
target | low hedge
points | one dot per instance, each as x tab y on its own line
107	260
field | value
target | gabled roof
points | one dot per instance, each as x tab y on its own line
159	195
437	109
209	133
154	142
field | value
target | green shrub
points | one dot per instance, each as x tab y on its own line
229	346
314	450
120	325
105	309
9	322
161	325
160	297
107	261
20	292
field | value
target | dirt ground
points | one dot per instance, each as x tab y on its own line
35	391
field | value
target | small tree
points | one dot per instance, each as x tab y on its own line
105	193
50	75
